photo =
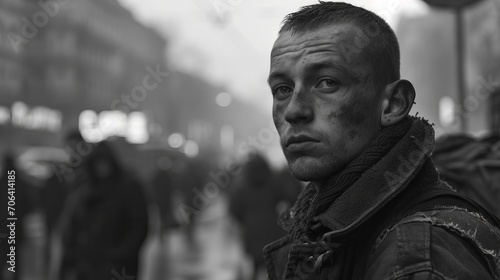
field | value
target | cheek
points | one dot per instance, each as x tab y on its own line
367	121
355	115
352	118
277	117
355	118
355	110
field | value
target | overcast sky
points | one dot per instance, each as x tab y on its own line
228	41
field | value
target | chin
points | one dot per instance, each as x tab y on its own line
311	169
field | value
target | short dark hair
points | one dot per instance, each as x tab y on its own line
383	51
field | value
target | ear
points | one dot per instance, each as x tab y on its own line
397	101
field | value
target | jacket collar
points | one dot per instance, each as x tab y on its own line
381	183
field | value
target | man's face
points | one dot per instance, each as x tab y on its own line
325	106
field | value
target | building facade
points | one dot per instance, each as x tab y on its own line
59	58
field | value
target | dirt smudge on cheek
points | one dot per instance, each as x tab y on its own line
355	110
350	115
353	134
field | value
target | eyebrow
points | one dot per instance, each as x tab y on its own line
328	64
318	66
276	75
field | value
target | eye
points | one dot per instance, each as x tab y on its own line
327	84
281	91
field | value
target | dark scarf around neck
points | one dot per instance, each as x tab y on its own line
315	200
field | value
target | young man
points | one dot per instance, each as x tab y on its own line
375	207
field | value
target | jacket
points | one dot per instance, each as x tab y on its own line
107	222
399	221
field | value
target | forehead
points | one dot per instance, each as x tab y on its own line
342	40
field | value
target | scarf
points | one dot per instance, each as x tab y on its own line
315	200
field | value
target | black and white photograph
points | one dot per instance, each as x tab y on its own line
249	140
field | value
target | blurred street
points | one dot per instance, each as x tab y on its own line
214	253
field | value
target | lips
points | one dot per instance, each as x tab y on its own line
299	140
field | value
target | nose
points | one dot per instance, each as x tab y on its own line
299	109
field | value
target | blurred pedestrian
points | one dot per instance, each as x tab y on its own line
162	186
289	187
190	178
105	221
255	203
471	166
17	202
66	176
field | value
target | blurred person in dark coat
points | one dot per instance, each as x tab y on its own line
106	221
255	203
471	166
289	187
190	177
66	176
18	190
162	186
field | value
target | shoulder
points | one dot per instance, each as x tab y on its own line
449	243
